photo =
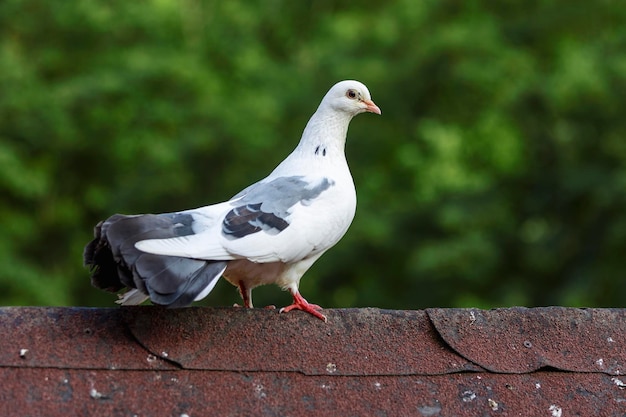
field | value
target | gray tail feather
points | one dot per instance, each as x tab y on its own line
169	280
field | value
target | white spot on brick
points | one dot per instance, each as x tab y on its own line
600	362
23	353
619	382
259	391
468	396
492	404
93	393
555	411
331	368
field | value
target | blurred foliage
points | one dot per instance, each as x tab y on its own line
495	176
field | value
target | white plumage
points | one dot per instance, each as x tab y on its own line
271	232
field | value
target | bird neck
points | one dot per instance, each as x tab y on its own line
324	135
322	145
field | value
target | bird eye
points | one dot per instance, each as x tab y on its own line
351	94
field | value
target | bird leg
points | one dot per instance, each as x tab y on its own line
246	295
299	303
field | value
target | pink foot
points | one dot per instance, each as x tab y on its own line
299	303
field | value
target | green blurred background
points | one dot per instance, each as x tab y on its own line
496	175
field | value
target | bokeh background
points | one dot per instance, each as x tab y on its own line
496	175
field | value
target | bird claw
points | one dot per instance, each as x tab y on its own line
301	304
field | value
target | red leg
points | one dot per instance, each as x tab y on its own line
246	295
299	303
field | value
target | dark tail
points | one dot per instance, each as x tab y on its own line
115	263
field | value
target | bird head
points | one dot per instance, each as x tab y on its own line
351	97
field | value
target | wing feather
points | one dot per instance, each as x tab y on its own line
272	221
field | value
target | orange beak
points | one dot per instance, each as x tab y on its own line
371	107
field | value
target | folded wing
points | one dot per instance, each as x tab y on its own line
267	222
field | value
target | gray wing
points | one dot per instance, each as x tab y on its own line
265	206
168	280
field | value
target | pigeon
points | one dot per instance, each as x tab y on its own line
269	233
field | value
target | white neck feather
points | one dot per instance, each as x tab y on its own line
323	142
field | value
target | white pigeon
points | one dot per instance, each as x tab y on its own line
271	232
